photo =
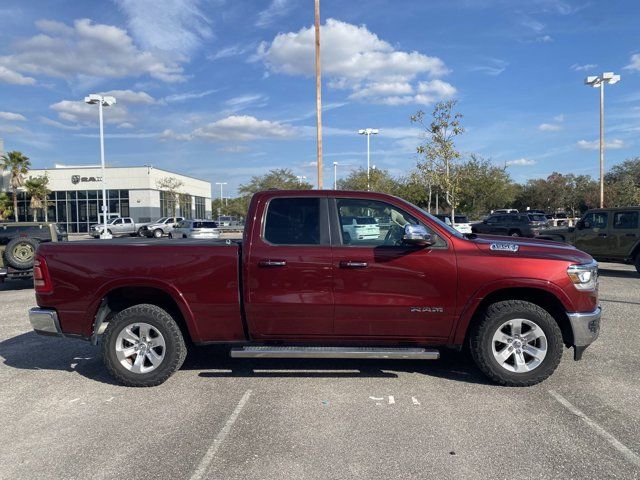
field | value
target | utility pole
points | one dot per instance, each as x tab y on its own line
318	95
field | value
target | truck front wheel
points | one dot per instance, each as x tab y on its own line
516	343
143	346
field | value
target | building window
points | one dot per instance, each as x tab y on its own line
201	209
185	206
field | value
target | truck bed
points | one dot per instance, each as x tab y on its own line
201	276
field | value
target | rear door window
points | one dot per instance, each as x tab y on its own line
625	220
204	225
596	220
293	221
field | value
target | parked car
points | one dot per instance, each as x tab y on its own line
296	288
355	229
18	244
195	229
559	219
163	226
116	227
514	225
505	210
608	235
227	221
462	222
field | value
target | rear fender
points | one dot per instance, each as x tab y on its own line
165	287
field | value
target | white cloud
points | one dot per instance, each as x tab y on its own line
549	127
55	123
634	63
234	149
521	162
493	67
129	96
9	76
235	128
84	51
79	112
230	51
11	129
355	58
559	118
277	8
613	144
544	39
12	117
245	99
583	68
181	97
176	26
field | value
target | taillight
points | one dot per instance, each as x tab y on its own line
41	277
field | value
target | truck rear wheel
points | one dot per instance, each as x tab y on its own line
516	343
143	346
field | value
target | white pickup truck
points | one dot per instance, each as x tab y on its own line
116	227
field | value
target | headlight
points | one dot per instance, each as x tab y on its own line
584	276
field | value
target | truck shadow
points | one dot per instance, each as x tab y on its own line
30	351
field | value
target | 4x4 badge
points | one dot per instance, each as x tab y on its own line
504	247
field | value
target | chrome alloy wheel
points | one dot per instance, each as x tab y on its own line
140	347
519	345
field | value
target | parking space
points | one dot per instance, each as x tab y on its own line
257	419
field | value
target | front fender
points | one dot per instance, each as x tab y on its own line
470	308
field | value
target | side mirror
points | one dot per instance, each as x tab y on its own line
417	235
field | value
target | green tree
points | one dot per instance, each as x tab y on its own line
630	167
171	186
5	206
439	150
484	186
379	180
17	165
38	189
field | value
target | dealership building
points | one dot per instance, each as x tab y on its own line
75	201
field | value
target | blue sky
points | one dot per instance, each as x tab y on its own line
224	89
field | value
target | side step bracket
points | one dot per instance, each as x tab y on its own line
335	352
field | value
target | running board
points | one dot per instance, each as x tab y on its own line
335	352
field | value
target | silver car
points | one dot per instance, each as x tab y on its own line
161	227
115	227
195	229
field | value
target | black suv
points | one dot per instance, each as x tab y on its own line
512	224
18	244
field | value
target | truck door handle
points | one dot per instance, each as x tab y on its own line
272	263
353	264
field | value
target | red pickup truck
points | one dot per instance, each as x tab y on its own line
298	285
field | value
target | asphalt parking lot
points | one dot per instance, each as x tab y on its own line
63	417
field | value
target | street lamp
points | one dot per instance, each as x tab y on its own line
598	81
368	132
102	102
221	199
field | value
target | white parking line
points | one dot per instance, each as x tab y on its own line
222	434
629	454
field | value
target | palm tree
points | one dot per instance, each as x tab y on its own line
18	165
38	189
5	206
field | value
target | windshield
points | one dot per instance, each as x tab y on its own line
537	218
160	220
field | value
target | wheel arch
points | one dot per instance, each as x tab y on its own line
116	298
543	297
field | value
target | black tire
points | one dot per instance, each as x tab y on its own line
109	232
481	342
174	352
20	252
514	233
141	232
157	233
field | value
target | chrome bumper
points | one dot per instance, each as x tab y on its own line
45	321
585	328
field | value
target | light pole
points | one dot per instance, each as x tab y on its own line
102	101
598	81
368	132
220	207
